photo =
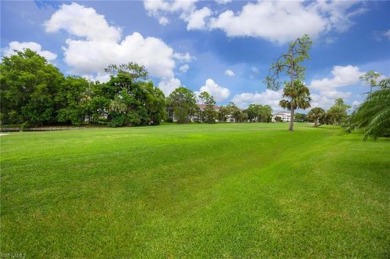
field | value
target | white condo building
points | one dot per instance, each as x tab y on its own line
285	116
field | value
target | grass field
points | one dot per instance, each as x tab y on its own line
224	190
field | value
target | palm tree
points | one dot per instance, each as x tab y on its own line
316	114
373	116
298	97
117	105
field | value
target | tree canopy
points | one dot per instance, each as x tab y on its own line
183	102
317	114
338	113
29	85
259	113
209	112
34	92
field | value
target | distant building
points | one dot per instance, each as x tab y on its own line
285	116
196	117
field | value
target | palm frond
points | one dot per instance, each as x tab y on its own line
373	116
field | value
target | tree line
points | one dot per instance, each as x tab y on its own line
184	108
35	93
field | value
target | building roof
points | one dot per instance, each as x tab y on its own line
203	106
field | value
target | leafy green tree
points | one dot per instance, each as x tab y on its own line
372	117
265	113
300	117
130	70
29	85
97	101
298	96
371	78
133	100
290	65
234	112
223	113
70	100
253	112
317	115
259	113
243	117
183	102
209	112
155	103
337	114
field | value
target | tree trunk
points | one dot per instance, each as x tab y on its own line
291	128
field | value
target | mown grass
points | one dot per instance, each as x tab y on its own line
224	190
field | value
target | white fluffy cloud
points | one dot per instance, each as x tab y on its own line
163	20
20	46
159	7
321	101
341	76
268	97
326	90
218	92
270	20
229	72
184	68
98	44
101	77
196	19
167	85
338	14
183	57
93	56
83	22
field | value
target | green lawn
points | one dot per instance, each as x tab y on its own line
223	190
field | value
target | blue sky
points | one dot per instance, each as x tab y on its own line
223	47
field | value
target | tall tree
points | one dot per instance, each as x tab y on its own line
259	113
289	64
133	99
234	112
223	113
316	114
372	117
70	100
337	114
210	113
29	85
253	112
183	102
298	96
265	113
97	100
155	103
371	78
